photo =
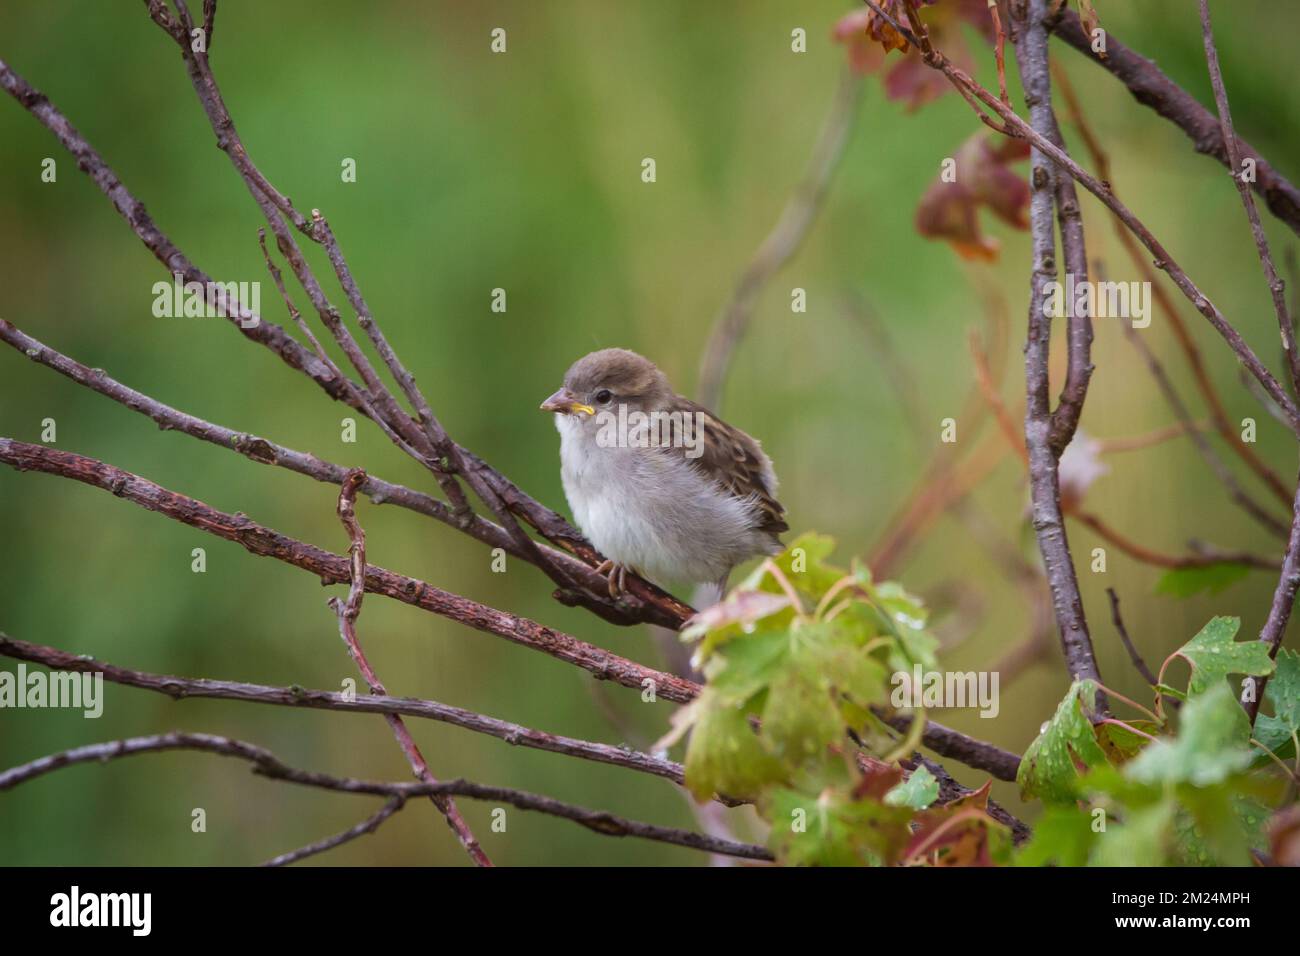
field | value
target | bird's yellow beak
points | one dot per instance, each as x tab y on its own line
565	402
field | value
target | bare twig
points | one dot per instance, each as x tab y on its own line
782	242
1200	374
1236	493
1141	552
643	602
184	688
1120	629
1044	451
266	452
950	789
999	51
268	765
347	612
1112	446
334	569
1017	127
1154	89
369	825
1276	287
1279	612
904	384
1001	764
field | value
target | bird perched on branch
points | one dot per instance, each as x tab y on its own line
658	483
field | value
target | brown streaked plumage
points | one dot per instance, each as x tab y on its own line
690	511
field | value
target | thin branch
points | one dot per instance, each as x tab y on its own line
946	742
267	452
1140	552
950	789
988	388
432	446
1018	128
347	612
1200	374
1154	89
334	569
1120	629
369	825
1078	335
1044	452
903	383
782	242
1236	493
643	602
1276	287
184	688
1279	612
999	51
267	765
1158	436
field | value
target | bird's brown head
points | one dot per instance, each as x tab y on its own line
605	379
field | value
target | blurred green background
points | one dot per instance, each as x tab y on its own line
522	171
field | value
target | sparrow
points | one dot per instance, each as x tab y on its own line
658	483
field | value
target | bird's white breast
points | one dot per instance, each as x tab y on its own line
650	509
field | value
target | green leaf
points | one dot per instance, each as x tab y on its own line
742	612
1144	838
1214	655
1212	744
747	665
804	563
1213	578
725	755
1063	836
800	720
1164	690
1122	741
918	791
1066	746
833	829
1283	694
1215	829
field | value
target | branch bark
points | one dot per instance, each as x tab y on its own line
1152	88
183	688
643	603
334	569
1043	432
266	764
976	94
347	612
1277	290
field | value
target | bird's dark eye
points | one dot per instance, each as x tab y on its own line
603	396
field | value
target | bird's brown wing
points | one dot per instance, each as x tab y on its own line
736	462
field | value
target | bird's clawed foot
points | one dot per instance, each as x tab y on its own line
616	574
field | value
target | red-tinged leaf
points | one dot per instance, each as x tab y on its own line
868	38
948	210
1088	16
878	778
1284	836
960	833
